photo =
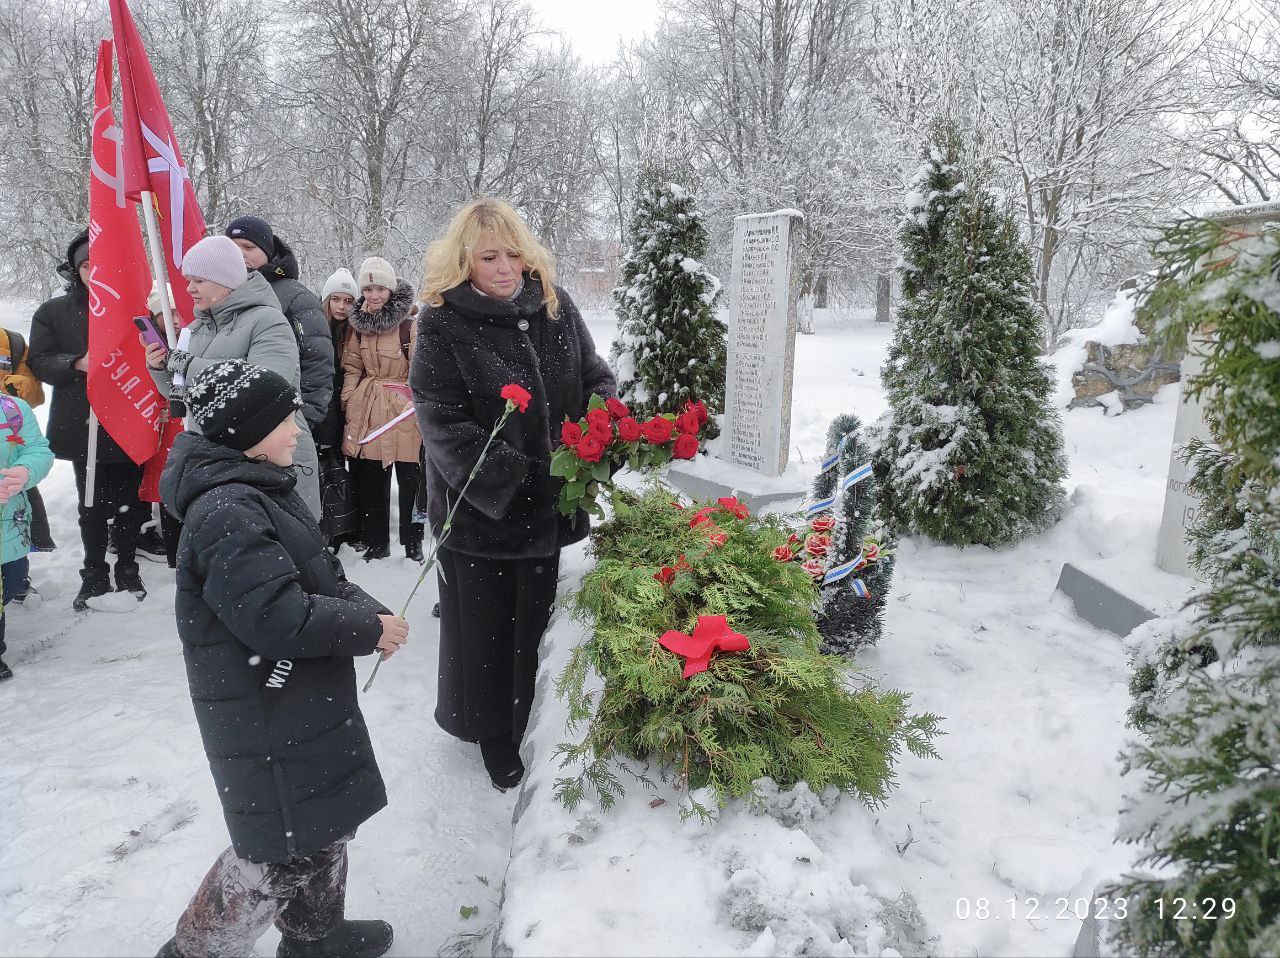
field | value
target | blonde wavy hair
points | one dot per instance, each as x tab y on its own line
448	260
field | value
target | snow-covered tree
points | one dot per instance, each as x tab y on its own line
974	450
848	621
1208	813
670	346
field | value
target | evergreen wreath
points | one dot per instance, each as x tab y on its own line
779	710
847	621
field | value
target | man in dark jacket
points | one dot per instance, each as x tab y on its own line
267	253
58	357
269	627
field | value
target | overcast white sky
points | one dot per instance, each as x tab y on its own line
595	26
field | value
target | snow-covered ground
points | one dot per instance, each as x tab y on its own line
112	818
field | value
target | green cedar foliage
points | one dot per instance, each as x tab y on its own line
1208	815
670	346
781	710
847	621
972	448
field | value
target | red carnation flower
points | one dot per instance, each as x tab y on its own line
783	554
817	544
682	564
658	430
570	434
731	504
665	575
718	538
823	525
688	422
617	408
686	446
629	429
813	567
517	395
590	449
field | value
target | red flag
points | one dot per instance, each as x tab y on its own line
152	159
120	389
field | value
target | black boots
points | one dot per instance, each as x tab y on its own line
353	939
414	551
376	552
502	762
94	582
128	579
5	671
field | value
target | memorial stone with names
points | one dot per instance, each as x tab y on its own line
763	292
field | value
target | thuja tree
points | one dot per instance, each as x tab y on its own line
847	621
974	451
931	195
670	346
1208	814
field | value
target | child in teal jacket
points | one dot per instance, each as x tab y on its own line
26	459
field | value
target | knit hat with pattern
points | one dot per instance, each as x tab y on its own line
256	230
238	404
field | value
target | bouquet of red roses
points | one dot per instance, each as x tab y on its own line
609	437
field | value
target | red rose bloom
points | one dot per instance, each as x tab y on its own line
731	504
629	429
665	575
823	525
617	408
658	430
687	422
793	539
686	446
598	416
813	567
590	449
570	434
718	538
514	393
783	554
602	433
699	409
817	544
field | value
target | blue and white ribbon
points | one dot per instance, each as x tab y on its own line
855	477
813	508
860	588
838	572
833	460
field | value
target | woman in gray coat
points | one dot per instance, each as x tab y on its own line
237	317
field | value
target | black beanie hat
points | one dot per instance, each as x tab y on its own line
238	404
256	231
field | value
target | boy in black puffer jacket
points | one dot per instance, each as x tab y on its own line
269	625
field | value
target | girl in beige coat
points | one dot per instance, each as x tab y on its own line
375	353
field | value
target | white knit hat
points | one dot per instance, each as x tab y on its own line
340	281
376	271
217	259
154	306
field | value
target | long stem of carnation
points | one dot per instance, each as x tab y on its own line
438	541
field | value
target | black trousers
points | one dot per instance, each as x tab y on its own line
372	482
40	536
493	613
116	501
170	531
239	899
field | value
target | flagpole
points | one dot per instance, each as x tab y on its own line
91	465
159	273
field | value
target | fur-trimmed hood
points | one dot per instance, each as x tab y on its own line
394	312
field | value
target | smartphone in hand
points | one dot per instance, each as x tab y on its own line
150	335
